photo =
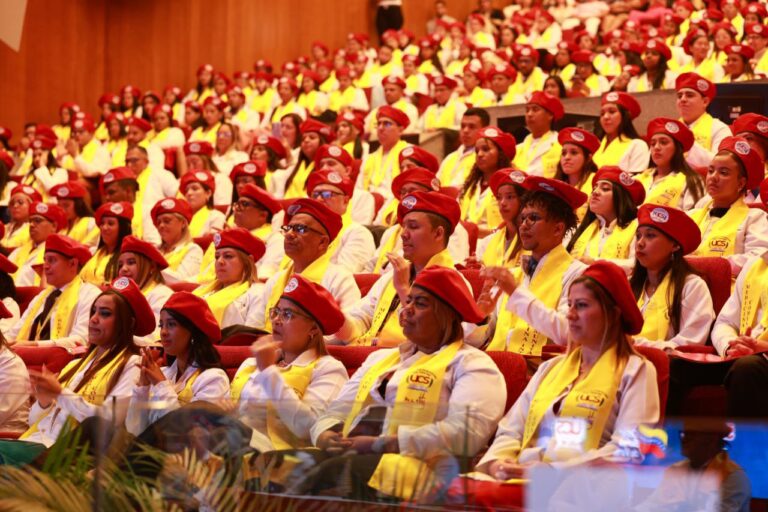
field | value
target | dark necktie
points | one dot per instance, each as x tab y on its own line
718	212
530	267
41	327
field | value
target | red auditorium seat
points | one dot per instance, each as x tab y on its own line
473	276
24	295
351	357
378	202
365	282
661	362
473	231
514	369
170	159
54	358
182	286
204	241
241	339
450	191
423	101
716	272
232	357
759	206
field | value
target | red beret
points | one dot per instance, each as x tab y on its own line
171	205
755	8
395	114
335	152
43	130
757	29
240	239
421	156
572	196
740	49
197	312
117	174
116	116
625	100
6	159
109	98
139	123
674	223
200	176
121	210
68	247
150	94
272	143
582	57
86	123
7	265
430	202
614	281
657	45
250	168
52	212
235	90
146	249
628	46
418	175
476	68
198	147
724	25
503	140
164	108
43	143
503	68
192	105
672	127
353	119
142	311
444	80
312	75
548	102
327	177
448	285
330	220
28	191
5	133
625	180
311	125
173	89
393	80
316	301
582	138
290	82
506	176
696	82
216	102
753	123
262	197
753	164
204	67
70	105
525	50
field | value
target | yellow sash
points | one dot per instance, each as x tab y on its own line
185	395
388	247
94	271
262	102
377	165
753	297
29	253
512	334
218	300
65	308
118	149
209	135
615	246
482	210
454	165
591	399
550	157
198	222
137	223
101	133
611	153
208	268
720	238
666	191
440	117
93	391
17	238
282	110
656	313
177	255
702	131
314	272
297	187
80	232
385	323
496	254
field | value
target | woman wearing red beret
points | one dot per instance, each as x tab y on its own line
738	63
502	248
702	61
270	151
116	144
45	171
291	183
129	101
670	181
199	155
602	317
81	225
165	134
213	114
204	86
227	150
198	188
620	144
656	74
67	112
114	222
188	332
287	90
576	166
17	230
349	133
674	300
314	101
171	217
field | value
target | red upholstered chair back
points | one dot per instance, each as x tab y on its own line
182	286
54	358
241	339
232	357
351	357
204	241
450	191
365	282
716	272
473	276
24	295
514	369
661	362
473	231
378	202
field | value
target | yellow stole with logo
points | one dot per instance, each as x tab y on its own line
137	223
94	271
218	300
656	313
385	323
753	296
297	187
590	399
719	237
66	304
198	222
702	130
513	334
616	245
377	165
666	191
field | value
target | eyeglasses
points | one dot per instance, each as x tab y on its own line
284	314
243	205
325	194
299	229
531	218
386	124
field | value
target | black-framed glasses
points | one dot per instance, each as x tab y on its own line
284	314
530	218
242	204
325	194
299	229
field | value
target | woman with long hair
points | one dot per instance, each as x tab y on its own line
99	384
171	217
607	231
669	179
576	166
45	171
165	133
114	223
81	225
494	150
188	332
702	61
213	115
290	133
600	361
287	90
620	145
199	156
109	103
738	63
227	150
656	74
314	101
17	230
198	188
129	101
502	248
272	153
350	131
116	144
204	86
674	300
291	183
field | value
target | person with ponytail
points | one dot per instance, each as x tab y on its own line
608	229
188	332
198	187
98	384
114	222
502	248
576	166
620	144
674	300
171	217
670	180
600	361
